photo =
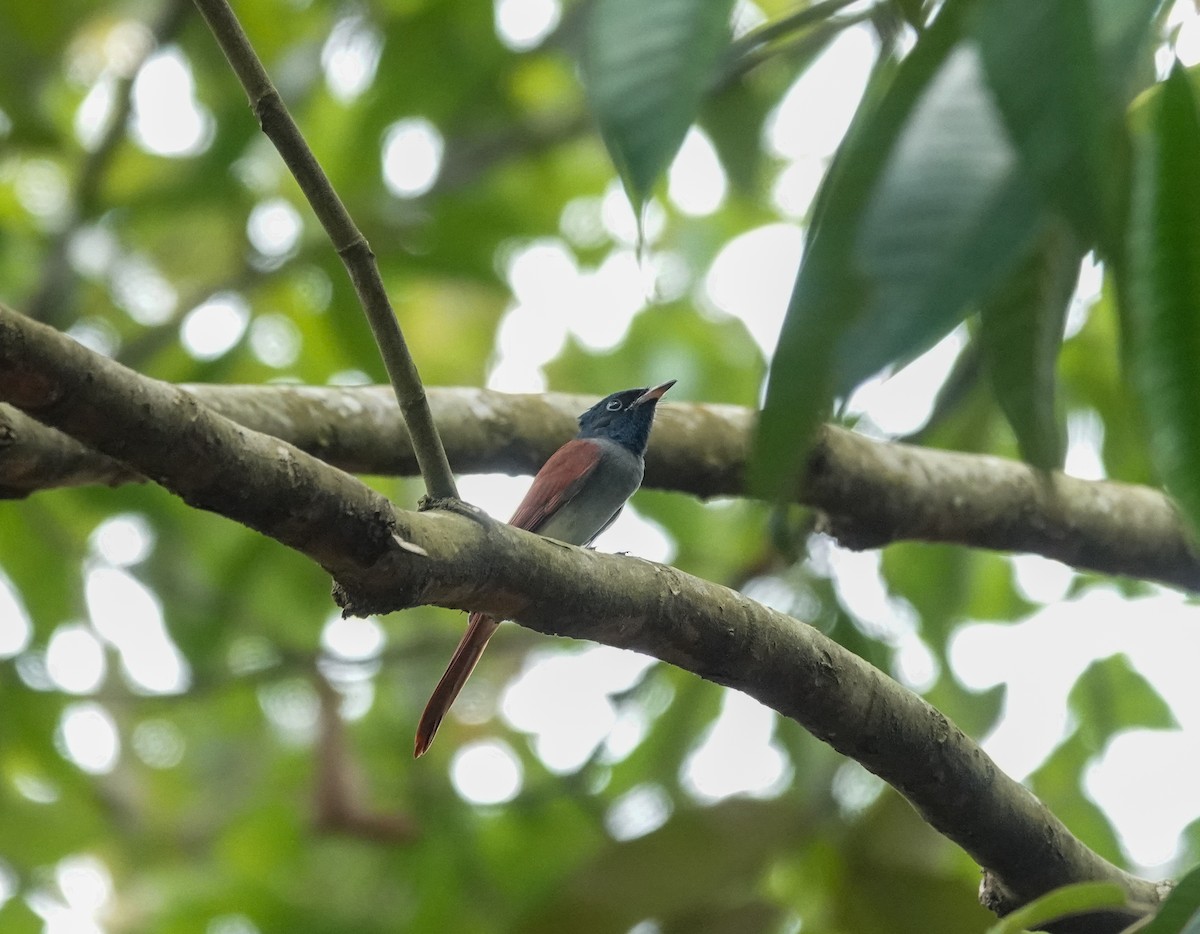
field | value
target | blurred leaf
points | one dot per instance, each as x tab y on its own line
1058	782
692	706
733	119
900	876
37	532
1123	30
913	13
1080	898
1164	289
16	917
924	211
30	58
1021	333
950	214
669	341
647	67
1180	912
1041	64
1111	696
1095	386
752	917
974	585
735	114
702	858
721	539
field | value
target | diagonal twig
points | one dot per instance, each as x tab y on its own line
351	245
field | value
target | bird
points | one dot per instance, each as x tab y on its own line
576	495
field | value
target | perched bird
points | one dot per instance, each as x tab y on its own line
576	495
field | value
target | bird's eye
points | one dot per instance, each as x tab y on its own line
614	406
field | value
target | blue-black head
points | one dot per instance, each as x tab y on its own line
624	417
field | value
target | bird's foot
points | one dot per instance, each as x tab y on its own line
455	505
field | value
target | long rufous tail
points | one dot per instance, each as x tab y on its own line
479	630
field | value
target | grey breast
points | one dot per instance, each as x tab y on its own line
617	477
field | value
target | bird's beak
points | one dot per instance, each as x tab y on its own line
653	395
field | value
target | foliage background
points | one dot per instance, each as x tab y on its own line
206	817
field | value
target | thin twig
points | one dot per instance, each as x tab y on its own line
349	242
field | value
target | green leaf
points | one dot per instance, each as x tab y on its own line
1111	696
734	114
1163	320
899	877
1123	33
647	67
1021	334
1058	781
951	213
926	209
1069	900
1180	913
1041	65
912	12
799	386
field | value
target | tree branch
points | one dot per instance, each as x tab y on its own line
871	493
384	559
164	434
351	245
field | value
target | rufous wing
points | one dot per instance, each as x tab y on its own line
560	478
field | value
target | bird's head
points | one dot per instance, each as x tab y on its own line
624	417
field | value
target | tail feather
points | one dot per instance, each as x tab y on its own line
479	630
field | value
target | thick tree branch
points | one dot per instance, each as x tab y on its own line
384	559
724	637
351	245
875	493
212	463
871	493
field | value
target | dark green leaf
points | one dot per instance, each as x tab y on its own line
951	213
1021	333
1041	65
733	119
1123	30
913	13
1163	322
924	211
647	67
